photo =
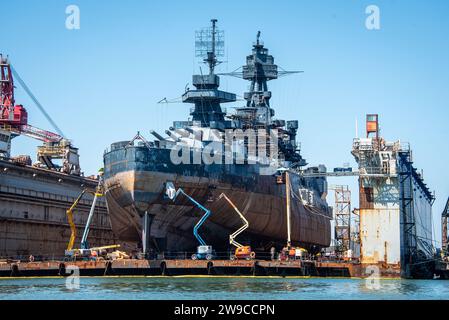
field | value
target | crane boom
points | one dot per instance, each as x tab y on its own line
203	218
36	133
14	121
38	104
84	244
242	228
98	193
71	222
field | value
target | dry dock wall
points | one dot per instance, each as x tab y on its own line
395	206
33	204
133	267
379	223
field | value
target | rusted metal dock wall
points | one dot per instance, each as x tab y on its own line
33	204
133	267
395	206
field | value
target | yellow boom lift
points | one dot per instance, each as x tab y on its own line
71	222
85	251
241	251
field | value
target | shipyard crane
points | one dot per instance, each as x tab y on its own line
14	122
241	251
204	251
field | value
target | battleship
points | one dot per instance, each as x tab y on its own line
138	171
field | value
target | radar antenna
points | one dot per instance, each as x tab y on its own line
209	44
206	96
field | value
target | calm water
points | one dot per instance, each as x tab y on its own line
222	288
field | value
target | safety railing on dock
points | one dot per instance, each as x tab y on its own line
186	255
168	255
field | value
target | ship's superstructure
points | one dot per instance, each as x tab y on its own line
395	205
258	114
207	97
239	154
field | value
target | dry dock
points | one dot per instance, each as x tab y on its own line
33	204
134	267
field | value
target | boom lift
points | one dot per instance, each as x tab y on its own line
85	251
204	251
241	251
72	223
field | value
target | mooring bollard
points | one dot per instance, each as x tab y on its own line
108	268
210	268
61	270
14	270
163	268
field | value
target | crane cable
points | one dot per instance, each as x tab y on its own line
31	95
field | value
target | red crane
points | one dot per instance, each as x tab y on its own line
15	117
14	121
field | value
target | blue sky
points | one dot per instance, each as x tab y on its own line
101	83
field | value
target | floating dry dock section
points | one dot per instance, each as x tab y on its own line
136	267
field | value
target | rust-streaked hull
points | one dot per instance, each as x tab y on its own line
130	193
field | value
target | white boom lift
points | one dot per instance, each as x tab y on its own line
241	251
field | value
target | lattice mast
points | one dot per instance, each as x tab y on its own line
7	102
206	97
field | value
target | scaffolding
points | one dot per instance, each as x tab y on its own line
342	216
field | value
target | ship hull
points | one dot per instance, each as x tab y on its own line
135	182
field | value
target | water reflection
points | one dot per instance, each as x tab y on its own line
222	288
